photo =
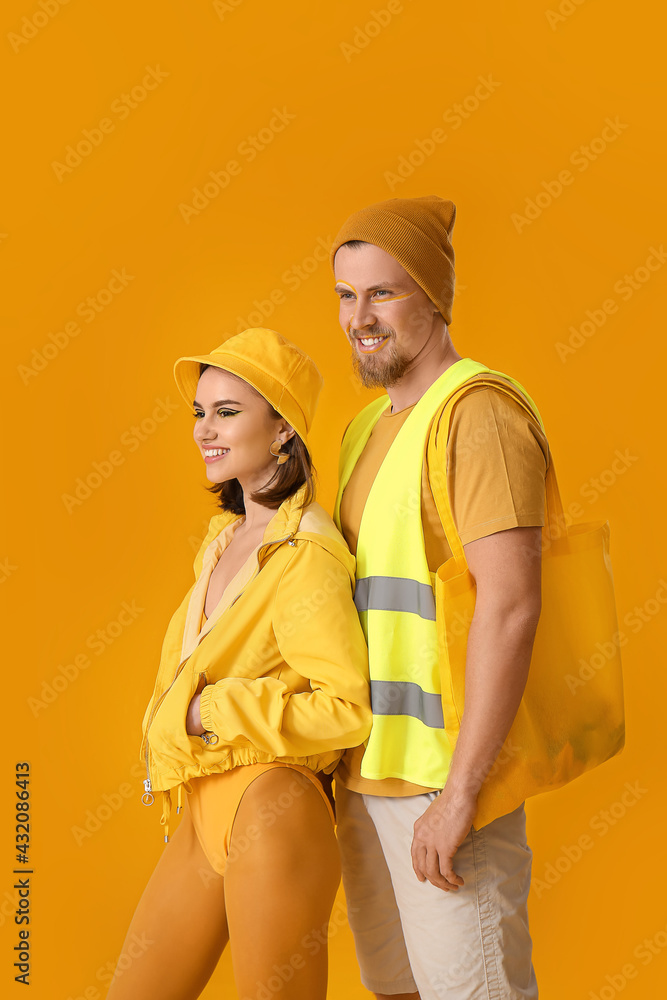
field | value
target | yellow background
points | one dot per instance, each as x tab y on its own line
363	96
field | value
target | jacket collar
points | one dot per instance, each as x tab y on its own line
282	526
285	522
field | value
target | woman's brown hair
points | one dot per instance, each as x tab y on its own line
287	479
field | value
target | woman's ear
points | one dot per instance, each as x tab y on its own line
287	430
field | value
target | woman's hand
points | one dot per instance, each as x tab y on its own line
193	724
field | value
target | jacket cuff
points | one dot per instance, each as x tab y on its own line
205	708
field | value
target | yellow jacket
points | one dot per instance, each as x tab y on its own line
285	667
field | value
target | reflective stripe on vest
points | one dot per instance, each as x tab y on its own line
394	592
407	698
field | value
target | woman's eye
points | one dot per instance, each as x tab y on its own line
198	414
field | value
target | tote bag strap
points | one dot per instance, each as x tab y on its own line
554	517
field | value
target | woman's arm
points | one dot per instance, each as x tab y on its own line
317	630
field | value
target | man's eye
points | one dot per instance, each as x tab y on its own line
345	295
383	291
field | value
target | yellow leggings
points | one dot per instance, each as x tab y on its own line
253	863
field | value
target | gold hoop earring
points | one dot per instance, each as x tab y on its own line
282	456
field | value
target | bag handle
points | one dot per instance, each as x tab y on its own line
554	516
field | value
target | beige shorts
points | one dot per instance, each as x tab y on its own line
473	944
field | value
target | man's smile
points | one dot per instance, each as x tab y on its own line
370	345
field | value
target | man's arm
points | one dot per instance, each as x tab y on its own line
507	570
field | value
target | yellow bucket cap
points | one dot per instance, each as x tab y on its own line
279	370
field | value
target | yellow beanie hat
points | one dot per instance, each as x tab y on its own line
279	370
416	232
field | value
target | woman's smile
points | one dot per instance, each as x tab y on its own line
213	454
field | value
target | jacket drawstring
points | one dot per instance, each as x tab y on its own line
166	813
167	806
188	787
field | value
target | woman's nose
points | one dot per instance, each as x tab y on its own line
203	430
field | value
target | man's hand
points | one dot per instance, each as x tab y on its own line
438	834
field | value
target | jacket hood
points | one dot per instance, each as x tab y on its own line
290	521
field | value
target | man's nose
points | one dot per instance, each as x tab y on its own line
363	315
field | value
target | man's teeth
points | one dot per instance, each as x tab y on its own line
369	341
210	452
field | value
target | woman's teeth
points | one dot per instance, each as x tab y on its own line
212	452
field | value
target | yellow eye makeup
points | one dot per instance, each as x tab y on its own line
396	298
384	298
342	286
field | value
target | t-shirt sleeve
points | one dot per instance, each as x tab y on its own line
495	459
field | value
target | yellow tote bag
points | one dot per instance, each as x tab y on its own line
571	716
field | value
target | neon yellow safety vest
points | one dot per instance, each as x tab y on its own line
394	592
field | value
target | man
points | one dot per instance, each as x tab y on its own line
438	907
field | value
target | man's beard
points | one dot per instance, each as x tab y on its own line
377	371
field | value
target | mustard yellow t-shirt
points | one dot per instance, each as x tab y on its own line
495	460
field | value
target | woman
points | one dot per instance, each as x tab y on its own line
262	684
